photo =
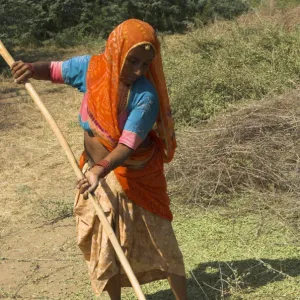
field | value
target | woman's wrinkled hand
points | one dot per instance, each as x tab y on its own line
21	71
91	181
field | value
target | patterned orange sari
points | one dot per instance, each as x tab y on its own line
146	186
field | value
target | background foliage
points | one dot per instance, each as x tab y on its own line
209	69
24	22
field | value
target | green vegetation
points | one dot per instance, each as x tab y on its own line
26	22
211	68
208	69
71	22
233	258
234	87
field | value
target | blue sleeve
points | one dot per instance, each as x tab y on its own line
142	115
74	71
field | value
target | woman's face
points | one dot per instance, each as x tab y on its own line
136	64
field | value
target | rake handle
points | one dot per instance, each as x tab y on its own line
106	226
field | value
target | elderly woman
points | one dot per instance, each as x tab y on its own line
128	135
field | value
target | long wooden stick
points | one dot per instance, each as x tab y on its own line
107	228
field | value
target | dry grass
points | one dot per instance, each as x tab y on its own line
39	257
246	159
31	153
250	152
288	18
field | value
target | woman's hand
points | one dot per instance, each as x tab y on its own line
21	71
91	180
93	176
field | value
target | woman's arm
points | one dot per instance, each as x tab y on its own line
137	126
72	71
92	177
23	71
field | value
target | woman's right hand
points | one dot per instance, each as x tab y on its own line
90	182
21	71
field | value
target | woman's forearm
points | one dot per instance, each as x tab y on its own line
113	160
118	156
41	70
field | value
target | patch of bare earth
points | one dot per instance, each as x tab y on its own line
39	258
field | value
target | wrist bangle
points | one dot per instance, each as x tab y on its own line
105	165
31	68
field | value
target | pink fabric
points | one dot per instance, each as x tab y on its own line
130	139
56	72
83	109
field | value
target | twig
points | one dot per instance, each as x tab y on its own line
268	266
55	220
35	259
22	284
213	288
199	285
221	278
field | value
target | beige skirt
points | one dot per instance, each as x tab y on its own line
147	240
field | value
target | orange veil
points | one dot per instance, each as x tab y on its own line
145	186
103	83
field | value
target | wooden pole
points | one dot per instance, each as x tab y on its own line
106	226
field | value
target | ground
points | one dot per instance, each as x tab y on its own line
226	256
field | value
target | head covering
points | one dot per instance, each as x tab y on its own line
103	85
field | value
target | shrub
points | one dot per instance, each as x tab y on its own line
211	68
26	22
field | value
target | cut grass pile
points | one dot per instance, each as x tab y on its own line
251	148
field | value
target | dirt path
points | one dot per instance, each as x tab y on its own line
42	262
39	259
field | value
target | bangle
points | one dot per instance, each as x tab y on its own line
105	165
31	68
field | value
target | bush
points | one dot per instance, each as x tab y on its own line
210	68
222	9
26	22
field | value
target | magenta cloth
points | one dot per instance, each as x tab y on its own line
130	139
83	109
56	72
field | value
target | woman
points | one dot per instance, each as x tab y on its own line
128	135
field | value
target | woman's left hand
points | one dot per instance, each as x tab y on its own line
91	181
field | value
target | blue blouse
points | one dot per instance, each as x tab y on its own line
142	108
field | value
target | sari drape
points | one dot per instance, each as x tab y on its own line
146	186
